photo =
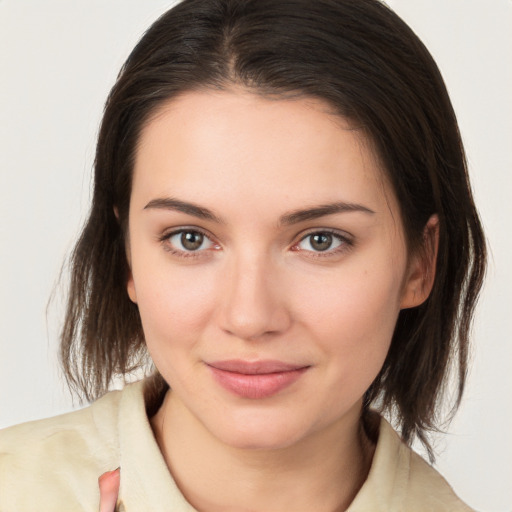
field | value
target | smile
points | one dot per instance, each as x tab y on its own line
255	380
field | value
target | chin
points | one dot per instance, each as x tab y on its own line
260	432
262	441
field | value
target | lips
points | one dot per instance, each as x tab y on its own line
255	379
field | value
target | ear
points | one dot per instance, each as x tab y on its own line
130	285
422	267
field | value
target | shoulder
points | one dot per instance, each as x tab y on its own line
93	421
401	481
57	460
426	485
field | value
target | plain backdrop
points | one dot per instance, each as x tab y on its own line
58	59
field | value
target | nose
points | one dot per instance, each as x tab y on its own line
253	305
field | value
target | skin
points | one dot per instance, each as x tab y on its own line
257	288
108	484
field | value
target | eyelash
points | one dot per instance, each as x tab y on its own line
345	243
166	237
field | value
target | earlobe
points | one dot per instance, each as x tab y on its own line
130	284
422	267
130	288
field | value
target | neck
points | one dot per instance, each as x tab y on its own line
322	472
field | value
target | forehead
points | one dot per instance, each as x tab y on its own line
208	146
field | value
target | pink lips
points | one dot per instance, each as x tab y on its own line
259	379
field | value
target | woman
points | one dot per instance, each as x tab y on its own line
282	219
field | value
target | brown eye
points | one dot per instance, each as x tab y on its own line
321	241
191	240
188	241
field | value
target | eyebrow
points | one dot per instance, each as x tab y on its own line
170	203
293	217
315	212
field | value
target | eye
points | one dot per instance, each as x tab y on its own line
322	241
189	240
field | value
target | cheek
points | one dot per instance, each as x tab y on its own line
352	302
175	307
352	319
174	303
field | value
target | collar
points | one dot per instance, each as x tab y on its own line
146	483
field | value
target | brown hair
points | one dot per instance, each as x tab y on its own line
369	65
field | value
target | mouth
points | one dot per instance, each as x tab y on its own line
255	379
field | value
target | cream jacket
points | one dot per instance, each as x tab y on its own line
54	465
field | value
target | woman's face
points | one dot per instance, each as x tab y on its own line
268	263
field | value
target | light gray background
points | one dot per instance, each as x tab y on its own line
58	60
